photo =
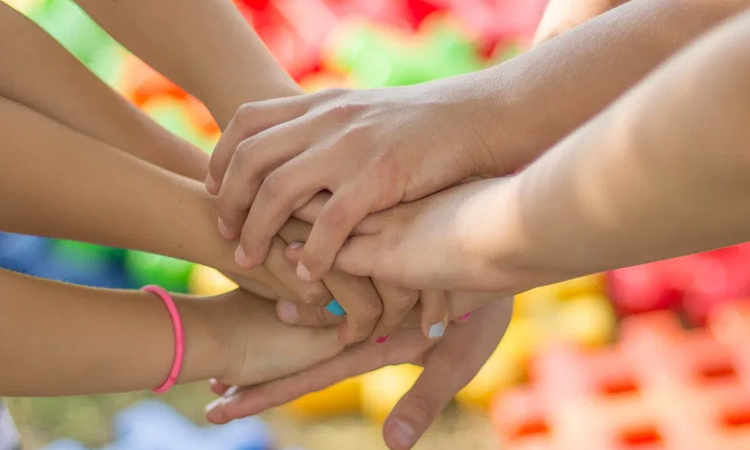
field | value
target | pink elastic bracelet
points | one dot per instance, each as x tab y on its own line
179	337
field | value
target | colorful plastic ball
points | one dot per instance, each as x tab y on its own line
588	320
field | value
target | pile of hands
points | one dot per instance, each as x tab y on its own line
357	206
396	205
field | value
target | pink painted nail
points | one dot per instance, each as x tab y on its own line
465	317
295	245
381	340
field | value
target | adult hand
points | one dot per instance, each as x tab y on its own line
448	365
371	148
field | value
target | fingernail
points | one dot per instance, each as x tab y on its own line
303	273
288	312
436	331
335	308
381	340
228	396
212	381
465	317
211	185
224	230
402	434
295	245
240	256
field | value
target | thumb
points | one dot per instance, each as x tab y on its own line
416	411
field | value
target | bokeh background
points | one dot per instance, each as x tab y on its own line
648	357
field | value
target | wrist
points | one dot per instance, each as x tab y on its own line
206	344
504	116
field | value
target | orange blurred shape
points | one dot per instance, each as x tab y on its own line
201	116
140	83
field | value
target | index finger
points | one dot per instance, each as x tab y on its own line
250	119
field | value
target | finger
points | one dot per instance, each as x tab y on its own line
292	313
434	313
403	346
360	255
218	387
255	158
277	265
309	212
283	191
363	306
356	295
250	119
345	210
397	303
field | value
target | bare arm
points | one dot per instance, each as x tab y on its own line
205	46
662	173
60	339
551	90
51	81
59	183
564	15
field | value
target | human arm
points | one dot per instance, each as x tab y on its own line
361	144
75	97
61	339
663	172
205	46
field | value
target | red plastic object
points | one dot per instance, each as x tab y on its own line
640	289
724	275
660	388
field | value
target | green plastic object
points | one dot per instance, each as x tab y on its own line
74	29
84	254
376	56
171	115
147	268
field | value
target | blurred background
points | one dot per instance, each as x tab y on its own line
648	357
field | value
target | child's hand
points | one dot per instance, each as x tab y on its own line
448	365
371	148
258	346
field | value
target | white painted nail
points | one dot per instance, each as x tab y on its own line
436	331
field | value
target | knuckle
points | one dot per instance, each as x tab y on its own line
314	295
423	408
370	313
343	110
275	185
245	113
384	165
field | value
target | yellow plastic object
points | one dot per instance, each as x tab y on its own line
590	284
339	399
383	388
588	320
209	281
502	370
321	81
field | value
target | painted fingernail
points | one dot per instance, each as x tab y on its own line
240	256
224	230
465	317
303	273
381	340
436	331
335	308
402	434
295	245
288	312
228	396
211	185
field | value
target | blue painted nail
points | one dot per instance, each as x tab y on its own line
335	309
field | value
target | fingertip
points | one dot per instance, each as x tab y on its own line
398	434
224	230
293	252
287	312
212	186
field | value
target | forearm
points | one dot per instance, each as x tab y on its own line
551	90
59	183
62	339
205	46
662	173
73	96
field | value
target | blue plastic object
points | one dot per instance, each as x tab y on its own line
22	253
335	308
